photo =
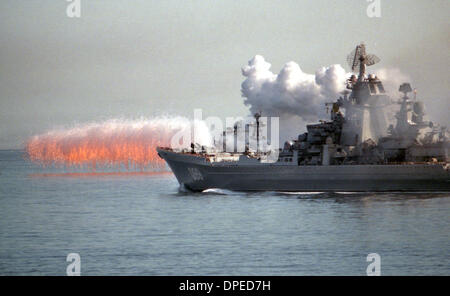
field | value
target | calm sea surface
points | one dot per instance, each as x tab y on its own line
141	224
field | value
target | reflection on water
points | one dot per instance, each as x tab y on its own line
99	174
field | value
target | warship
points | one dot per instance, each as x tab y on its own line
355	150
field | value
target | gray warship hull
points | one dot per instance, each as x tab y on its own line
197	174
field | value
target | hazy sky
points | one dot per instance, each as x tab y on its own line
144	58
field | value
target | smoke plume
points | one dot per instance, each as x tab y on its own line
293	95
296	97
113	143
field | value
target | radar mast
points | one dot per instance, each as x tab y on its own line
359	58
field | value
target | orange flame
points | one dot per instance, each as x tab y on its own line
115	143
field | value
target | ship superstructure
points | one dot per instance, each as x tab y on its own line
356	150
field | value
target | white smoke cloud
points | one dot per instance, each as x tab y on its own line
297	97
293	95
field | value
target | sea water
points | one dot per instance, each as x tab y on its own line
141	223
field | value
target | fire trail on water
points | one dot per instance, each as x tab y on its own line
116	143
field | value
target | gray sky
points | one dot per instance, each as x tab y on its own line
144	58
